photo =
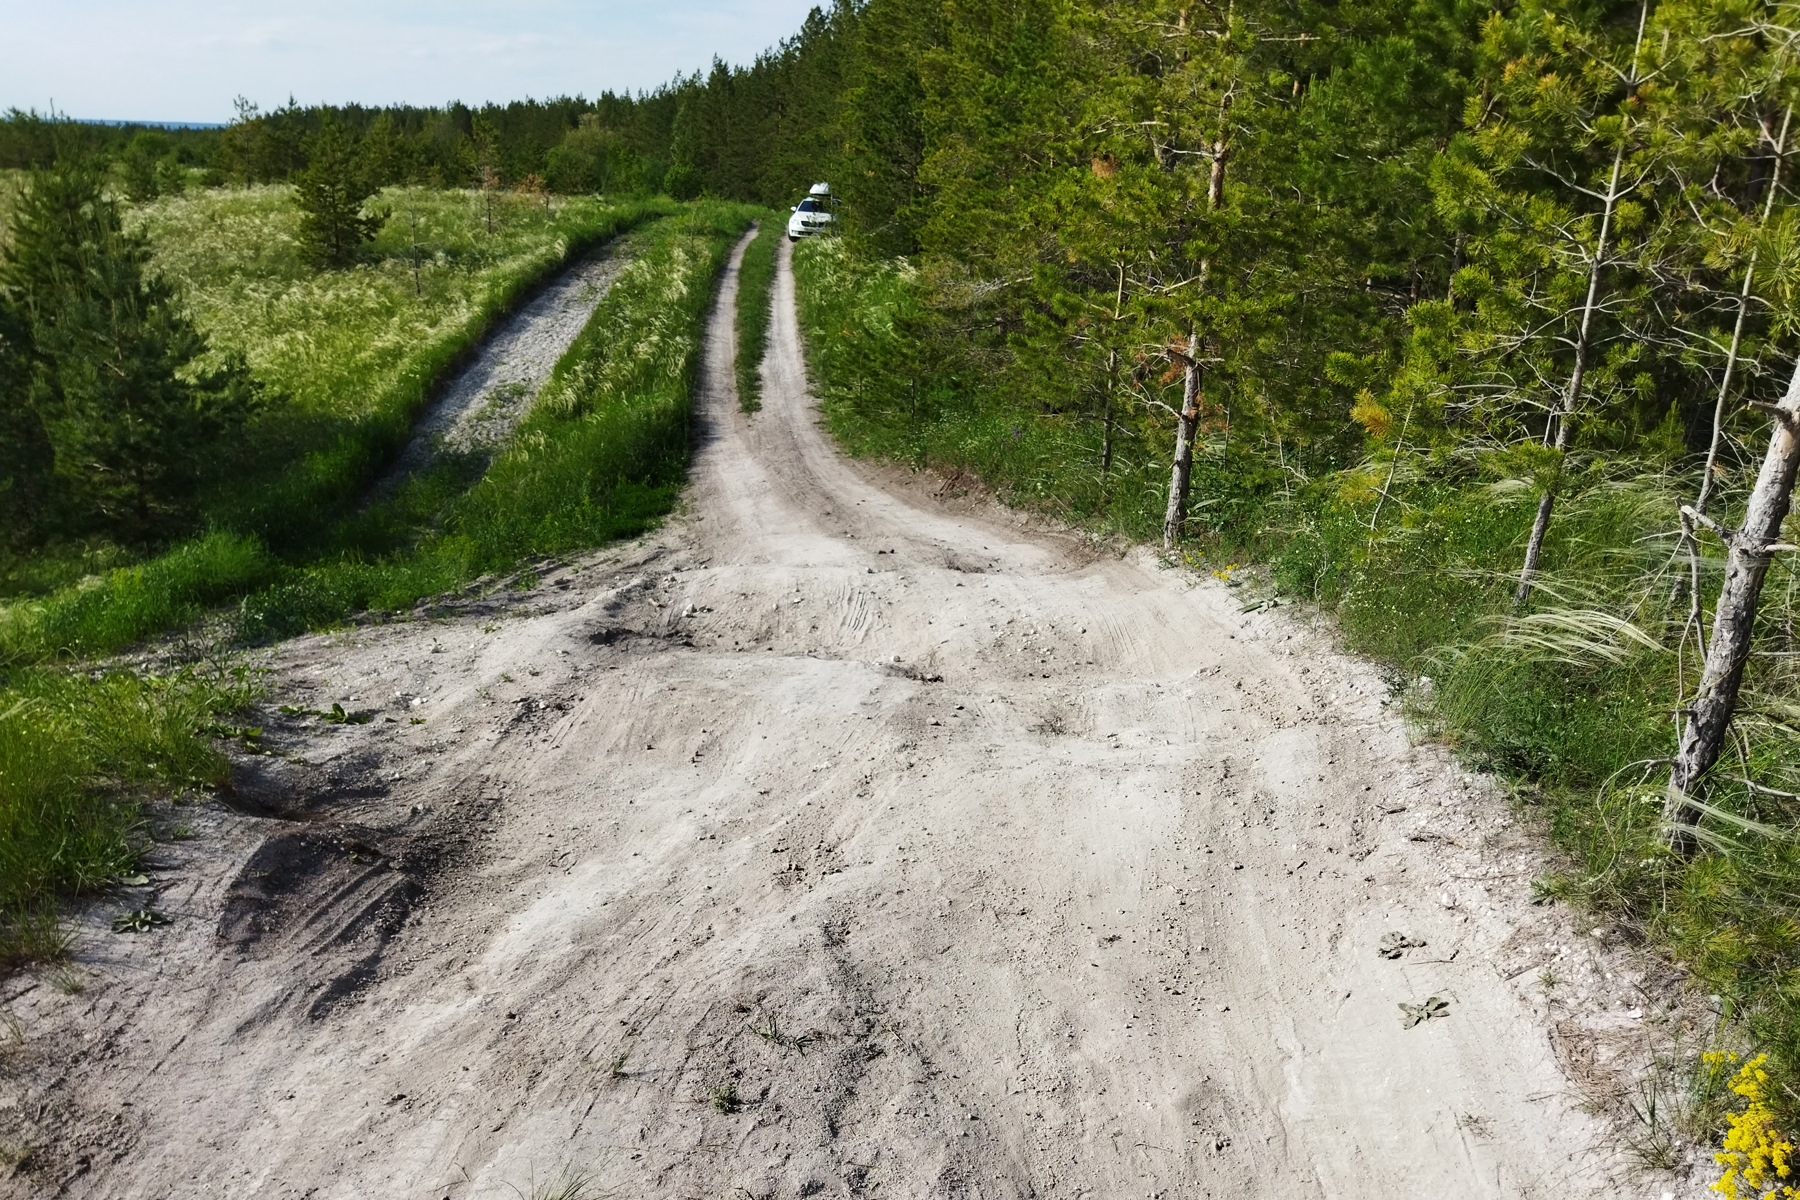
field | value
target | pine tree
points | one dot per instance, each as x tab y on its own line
884	122
27	462
331	193
384	159
111	371
138	165
1560	146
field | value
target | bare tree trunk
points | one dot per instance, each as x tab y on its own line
1185	427
1583	340
1572	393
1106	417
1112	378
1393	468
1534	546
1187	424
1221	150
1751	548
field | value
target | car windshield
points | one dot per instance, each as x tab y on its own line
810	205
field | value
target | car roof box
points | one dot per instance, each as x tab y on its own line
820	189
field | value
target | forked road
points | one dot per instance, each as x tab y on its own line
842	840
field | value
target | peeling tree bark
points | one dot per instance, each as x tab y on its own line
1747	565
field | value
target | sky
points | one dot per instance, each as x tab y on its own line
184	60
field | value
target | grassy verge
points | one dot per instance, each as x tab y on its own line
893	385
1570	702
356	353
602	455
755	284
78	754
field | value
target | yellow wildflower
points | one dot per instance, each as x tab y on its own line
1755	1156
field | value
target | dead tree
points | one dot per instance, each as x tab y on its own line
1751	547
1187	424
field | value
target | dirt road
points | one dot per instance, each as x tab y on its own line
841	839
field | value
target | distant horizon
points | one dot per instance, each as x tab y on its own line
147	124
193	57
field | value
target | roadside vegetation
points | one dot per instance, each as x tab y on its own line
1478	327
602	454
756	282
78	755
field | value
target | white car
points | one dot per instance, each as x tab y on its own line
812	215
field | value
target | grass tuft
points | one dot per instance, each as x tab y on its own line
77	751
756	282
723	1096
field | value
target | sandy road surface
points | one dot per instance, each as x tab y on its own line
949	857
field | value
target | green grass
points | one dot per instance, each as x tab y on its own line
78	753
756	281
354	353
1570	703
130	603
602	455
893	384
352	356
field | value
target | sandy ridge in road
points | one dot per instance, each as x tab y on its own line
946	855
